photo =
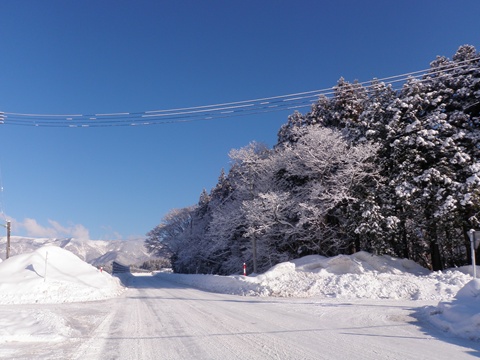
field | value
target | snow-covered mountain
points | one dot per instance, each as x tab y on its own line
95	252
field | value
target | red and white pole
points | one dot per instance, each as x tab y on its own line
244	269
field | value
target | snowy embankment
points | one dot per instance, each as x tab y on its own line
357	276
461	316
54	275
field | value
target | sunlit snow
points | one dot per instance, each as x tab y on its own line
54	275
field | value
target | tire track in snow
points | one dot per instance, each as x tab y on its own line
94	346
230	328
156	319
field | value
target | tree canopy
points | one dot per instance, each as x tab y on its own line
371	168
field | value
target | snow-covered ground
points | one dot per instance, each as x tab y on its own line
51	275
363	276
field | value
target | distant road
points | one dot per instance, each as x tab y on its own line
158	319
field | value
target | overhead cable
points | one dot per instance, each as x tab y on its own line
223	110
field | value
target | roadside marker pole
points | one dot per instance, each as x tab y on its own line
244	269
473	247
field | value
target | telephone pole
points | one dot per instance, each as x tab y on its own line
254	238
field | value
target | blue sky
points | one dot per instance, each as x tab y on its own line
87	57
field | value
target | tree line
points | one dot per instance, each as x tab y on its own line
370	168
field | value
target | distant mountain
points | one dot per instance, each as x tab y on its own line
95	252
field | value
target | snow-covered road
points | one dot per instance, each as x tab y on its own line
159	319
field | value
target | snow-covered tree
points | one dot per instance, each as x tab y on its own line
169	237
368	168
429	157
321	172
343	110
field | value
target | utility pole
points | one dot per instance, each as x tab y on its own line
254	238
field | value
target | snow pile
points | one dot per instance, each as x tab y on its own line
360	275
53	275
461	316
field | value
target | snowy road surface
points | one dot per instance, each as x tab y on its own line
158	319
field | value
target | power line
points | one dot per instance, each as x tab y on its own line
218	111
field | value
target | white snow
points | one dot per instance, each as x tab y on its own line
33	326
462	315
51	275
361	276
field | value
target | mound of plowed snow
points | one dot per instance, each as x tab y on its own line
53	275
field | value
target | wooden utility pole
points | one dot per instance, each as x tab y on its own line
254	238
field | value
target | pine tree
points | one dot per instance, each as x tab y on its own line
369	168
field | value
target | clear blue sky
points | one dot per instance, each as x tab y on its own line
93	56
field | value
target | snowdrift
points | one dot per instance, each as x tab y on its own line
53	275
358	276
461	316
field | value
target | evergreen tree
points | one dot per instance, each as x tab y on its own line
369	168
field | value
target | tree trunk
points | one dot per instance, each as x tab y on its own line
466	237
437	263
406	252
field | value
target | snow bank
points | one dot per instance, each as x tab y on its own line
53	275
357	276
358	263
461	316
360	275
